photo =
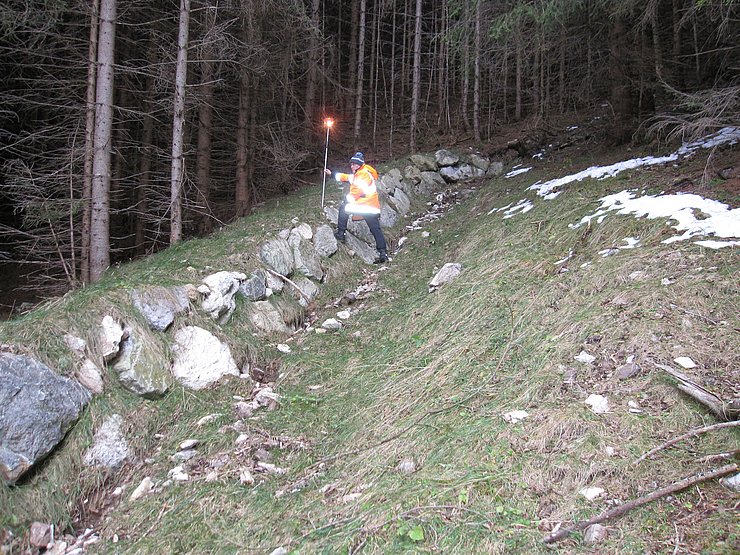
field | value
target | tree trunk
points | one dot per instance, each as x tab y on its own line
519	71
621	97
89	144
313	69
360	71
205	123
178	125
476	76
352	66
242	174
416	82
101	172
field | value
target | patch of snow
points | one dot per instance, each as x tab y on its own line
718	244
598	403
584	357
519	171
515	416
523	206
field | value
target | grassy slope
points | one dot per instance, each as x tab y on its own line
429	377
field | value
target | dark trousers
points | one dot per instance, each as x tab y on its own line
373	222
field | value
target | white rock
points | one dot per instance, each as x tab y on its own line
283	348
344	315
332	325
598	403
592	493
178	474
201	359
242	439
266	396
245	477
144	488
90	376
111	334
666	281
685	362
350	497
212	476
407	466
279	551
425	234
448	273
516	416
77	344
189	444
731	482
595	533
610	451
584	357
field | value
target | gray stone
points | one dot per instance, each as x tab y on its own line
413	174
388	217
389	183
448	273
424	162
627	370
110	449
461	173
160	305
430	182
595	533
332	324
400	201
309	289
254	288
496	169
480	162
278	255
731	482
446	158
37	408
361	248
218	292
89	375
200	358
274	283
111	334
307	261
324	241
266	318
140	366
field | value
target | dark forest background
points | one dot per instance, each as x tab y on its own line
261	76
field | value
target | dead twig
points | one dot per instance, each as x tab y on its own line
616	512
725	410
692	433
720	456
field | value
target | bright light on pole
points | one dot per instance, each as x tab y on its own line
328	122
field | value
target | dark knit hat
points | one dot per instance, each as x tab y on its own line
358	158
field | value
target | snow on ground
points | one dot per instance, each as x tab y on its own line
695	215
516	171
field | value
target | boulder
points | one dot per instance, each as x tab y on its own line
479	162
201	359
267	319
361	248
160	305
140	367
463	172
278	255
254	288
446	158
388	217
218	292
324	241
413	174
309	289
400	201
110	449
424	162
496	169
37	408
306	260
430	182
389	183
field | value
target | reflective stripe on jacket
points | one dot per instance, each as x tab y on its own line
363	193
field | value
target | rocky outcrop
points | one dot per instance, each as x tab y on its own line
37	408
201	359
160	305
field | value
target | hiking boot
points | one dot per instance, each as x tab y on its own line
339	236
382	257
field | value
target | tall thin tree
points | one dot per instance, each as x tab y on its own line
178	125
416	80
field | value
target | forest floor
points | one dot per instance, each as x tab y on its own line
459	420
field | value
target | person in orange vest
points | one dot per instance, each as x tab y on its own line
361	201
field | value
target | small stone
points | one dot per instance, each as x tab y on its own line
407	466
598	403
610	451
245	477
344	315
208	419
515	416
283	348
145	488
262	455
242	439
595	533
666	281
182	456
244	409
279	551
178	474
685	362
332	325
40	534
57	548
189	444
270	468
627	370
591	493
585	358
731	482
212	476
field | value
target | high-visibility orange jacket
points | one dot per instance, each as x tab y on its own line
363	192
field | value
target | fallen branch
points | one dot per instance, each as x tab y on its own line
720	456
290	282
726	410
692	433
616	512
